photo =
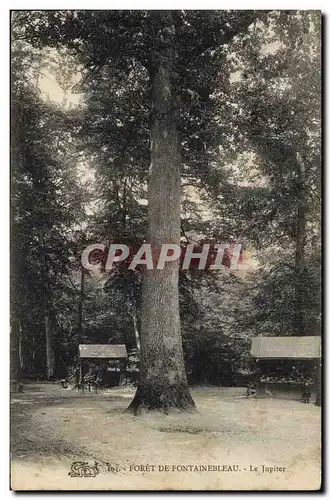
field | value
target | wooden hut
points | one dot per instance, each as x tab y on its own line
110	360
285	364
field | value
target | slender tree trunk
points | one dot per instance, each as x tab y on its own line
124	206
163	383
299	307
81	322
50	360
20	347
16	306
14	353
136	331
318	378
81	307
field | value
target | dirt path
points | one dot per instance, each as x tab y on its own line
232	435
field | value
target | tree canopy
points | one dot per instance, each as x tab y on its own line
245	103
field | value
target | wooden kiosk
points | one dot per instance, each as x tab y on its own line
285	364
111	360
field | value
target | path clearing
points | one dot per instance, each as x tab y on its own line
52	427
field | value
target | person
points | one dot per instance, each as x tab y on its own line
306	394
98	380
251	389
64	383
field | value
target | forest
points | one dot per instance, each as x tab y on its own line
184	127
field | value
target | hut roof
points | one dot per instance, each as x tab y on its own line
286	347
105	351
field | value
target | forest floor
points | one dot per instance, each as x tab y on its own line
52	427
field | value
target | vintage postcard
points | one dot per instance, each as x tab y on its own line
165	323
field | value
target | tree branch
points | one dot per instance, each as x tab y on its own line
225	38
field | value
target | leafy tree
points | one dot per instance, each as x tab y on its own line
275	109
213	102
42	211
153	47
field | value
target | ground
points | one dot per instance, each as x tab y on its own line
53	427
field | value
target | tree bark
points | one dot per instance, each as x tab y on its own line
163	383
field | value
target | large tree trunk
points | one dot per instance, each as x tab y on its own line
300	287
163	383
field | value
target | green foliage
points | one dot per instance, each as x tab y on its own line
247	93
43	208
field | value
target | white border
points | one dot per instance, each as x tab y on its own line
4	180
170	4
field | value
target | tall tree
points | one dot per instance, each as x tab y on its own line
163	380
42	211
275	109
174	58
